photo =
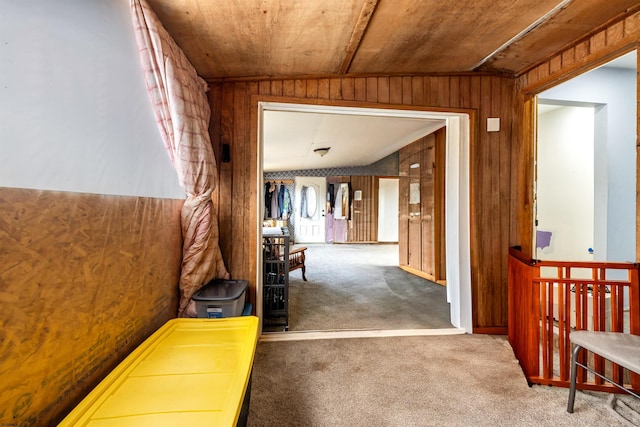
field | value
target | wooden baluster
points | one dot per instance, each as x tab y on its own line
567	331
545	336
602	289
616	309
550	328
562	327
617	323
634	314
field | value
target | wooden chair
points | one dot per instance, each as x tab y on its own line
296	261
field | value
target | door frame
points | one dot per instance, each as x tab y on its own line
382	216
460	124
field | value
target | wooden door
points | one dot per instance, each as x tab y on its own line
415	212
427	220
421	237
310	209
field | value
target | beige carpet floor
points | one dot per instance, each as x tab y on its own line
457	380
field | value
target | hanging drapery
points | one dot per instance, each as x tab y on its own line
182	111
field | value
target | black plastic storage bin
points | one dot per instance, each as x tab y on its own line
221	298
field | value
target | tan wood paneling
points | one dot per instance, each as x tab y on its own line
482	97
403	52
241	193
245	39
601	47
224	121
415	202
85	278
568	24
229	37
363	226
415	244
428	204
440	212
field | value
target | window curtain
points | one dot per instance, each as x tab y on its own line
181	107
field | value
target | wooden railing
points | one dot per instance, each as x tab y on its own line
549	299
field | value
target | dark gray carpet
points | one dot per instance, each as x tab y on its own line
362	287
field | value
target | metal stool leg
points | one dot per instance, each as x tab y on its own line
574	374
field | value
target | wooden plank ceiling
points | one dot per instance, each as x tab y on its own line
289	38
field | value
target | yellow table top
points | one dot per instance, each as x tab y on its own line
189	372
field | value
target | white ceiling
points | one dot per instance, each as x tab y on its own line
289	138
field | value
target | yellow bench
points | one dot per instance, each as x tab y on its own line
190	372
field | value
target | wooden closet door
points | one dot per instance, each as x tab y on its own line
428	218
403	211
422	214
415	211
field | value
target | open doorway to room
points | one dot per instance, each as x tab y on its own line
457	295
388	210
586	166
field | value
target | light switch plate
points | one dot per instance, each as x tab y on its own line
493	124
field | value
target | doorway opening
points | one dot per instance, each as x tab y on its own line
458	290
388	195
585	188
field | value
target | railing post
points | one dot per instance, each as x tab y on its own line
524	313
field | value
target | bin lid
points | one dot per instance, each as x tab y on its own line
190	372
221	290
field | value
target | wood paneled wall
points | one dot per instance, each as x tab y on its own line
85	278
363	225
600	47
234	122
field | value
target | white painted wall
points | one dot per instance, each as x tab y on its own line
565	197
615	160
388	199
74	111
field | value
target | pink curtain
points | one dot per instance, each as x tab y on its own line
182	111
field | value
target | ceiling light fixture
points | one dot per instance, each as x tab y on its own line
322	151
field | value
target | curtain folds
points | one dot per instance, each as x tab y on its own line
181	107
